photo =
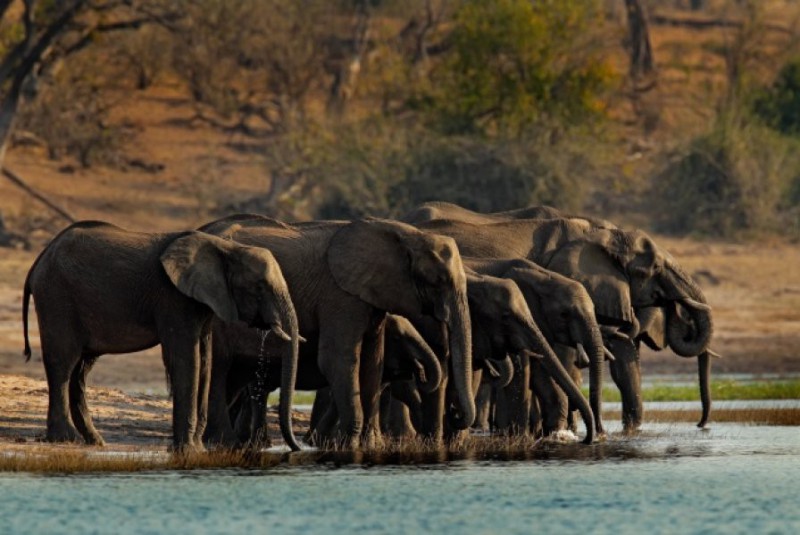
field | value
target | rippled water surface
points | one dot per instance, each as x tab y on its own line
672	479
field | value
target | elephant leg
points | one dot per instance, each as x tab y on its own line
318	409
203	385
241	414
77	402
536	428
433	405
259	433
552	400
182	355
513	402
403	409
58	365
401	424
627	375
219	429
371	382
339	360
483	401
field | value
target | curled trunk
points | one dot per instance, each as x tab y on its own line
503	372
689	336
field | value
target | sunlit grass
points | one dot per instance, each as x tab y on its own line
721	390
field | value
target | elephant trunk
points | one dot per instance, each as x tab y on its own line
704	373
289	373
690	336
460	343
539	348
592	338
504	372
430	370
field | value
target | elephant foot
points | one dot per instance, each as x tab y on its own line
94	439
187	448
457	439
373	439
62	433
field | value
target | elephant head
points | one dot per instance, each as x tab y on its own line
566	315
408	356
626	270
240	283
402	270
504	321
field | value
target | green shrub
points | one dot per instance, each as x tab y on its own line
516	63
779	105
733	180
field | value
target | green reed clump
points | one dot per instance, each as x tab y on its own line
723	390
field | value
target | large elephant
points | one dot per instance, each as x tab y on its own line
564	312
343	277
623	271
502	325
100	289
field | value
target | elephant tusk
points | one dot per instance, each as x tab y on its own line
712	353
688	301
614	332
609	355
280	333
301	339
583	358
531	355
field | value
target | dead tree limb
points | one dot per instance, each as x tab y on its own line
17	181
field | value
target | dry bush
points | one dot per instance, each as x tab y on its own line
71	114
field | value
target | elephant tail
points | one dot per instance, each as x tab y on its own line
26	297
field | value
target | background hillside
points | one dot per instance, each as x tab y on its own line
336	109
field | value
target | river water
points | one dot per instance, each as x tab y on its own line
671	479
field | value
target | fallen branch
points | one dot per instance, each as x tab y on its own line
14	178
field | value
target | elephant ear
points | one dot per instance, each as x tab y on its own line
653	327
601	274
195	264
371	259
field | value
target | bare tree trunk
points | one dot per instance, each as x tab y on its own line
346	78
642	68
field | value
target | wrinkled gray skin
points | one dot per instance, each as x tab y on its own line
101	289
502	325
623	271
343	277
564	312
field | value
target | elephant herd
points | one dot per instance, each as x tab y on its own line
445	320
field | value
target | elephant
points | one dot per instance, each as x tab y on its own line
502	325
623	271
343	277
236	359
564	312
101	289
